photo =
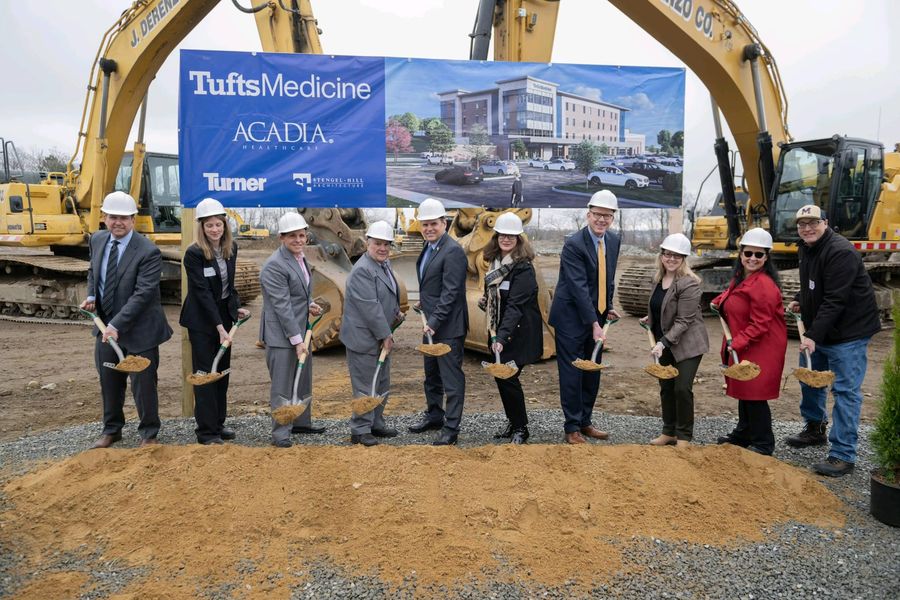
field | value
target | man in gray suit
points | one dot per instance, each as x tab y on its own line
442	295
123	288
371	309
286	283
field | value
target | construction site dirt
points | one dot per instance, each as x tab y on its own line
50	381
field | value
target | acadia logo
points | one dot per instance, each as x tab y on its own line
215	183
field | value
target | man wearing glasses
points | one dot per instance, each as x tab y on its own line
582	302
837	304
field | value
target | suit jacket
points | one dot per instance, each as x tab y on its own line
200	310
681	319
370	306
442	289
138	315
520	330
574	305
286	299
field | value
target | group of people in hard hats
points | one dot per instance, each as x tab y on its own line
837	306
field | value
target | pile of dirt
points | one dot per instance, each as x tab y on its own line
192	515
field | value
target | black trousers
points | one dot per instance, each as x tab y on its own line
211	400
444	375
143	387
677	397
513	399
754	425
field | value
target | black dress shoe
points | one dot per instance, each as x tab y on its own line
211	441
759	450
282	443
504	433
424	425
366	439
519	436
729	439
445	439
307	429
227	434
386	432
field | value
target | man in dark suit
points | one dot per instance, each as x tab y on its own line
582	302
123	288
441	270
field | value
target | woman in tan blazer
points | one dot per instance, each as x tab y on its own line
674	316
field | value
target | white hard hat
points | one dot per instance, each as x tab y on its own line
509	224
431	209
119	203
604	199
677	242
758	237
209	207
380	230
291	222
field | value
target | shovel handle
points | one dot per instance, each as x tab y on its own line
424	323
652	340
802	331
596	351
102	327
297	373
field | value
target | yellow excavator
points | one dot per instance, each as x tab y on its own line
245	231
853	179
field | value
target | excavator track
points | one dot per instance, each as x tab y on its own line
635	288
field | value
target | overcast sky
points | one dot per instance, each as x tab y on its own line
837	60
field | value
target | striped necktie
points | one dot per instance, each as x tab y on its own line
108	301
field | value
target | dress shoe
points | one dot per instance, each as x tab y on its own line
833	467
445	439
386	432
731	439
663	440
504	433
424	424
227	434
575	438
759	450
106	440
519	436
211	441
149	442
307	429
592	432
366	439
282	443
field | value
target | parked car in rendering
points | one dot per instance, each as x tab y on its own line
655	171
617	176
537	162
439	159
426	154
499	167
559	164
458	175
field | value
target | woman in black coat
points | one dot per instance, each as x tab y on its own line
210	308
511	302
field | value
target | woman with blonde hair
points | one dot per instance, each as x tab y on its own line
676	320
210	307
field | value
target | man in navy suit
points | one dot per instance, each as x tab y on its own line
582	302
442	294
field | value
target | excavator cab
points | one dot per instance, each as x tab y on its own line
840	174
159	201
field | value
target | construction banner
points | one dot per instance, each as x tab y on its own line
276	130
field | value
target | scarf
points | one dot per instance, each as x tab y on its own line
496	274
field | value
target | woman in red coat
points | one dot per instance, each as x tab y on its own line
753	309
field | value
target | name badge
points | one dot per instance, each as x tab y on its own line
812	284
209	272
504	285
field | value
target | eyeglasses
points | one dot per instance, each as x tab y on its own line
670	255
602	216
808	224
751	254
507	236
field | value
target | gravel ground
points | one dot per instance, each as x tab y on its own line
796	561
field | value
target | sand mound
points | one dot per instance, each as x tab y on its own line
197	515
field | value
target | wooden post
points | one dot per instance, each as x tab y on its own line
187	390
676	220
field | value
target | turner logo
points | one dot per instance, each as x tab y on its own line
215	183
303	180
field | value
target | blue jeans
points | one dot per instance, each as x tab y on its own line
848	361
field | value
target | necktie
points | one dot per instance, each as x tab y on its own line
303	268
387	271
108	301
425	260
601	278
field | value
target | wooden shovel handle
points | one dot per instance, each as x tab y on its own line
384	353
651	338
725	328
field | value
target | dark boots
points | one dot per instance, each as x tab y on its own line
812	435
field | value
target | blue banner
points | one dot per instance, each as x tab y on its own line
279	130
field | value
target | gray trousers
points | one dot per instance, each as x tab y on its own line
444	375
362	369
282	363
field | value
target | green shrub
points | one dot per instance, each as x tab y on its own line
672	182
885	438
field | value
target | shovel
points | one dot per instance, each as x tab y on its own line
431	349
816	379
131	364
364	404
292	408
498	369
739	370
593	365
202	377
657	370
